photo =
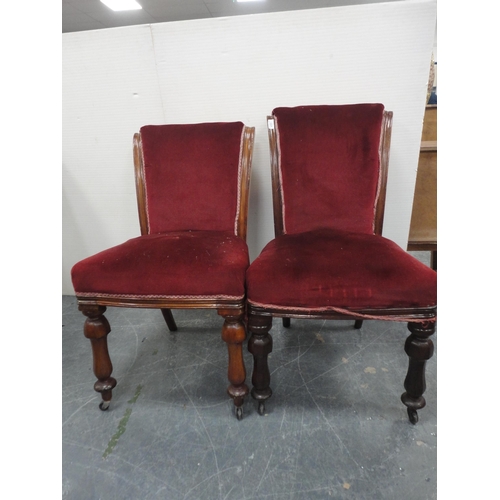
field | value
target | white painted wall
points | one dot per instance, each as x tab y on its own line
225	69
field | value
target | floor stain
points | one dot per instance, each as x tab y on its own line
136	395
370	369
121	429
122	425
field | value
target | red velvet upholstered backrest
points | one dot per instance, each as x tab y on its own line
192	176
329	166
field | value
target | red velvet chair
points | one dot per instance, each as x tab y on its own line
328	259
192	191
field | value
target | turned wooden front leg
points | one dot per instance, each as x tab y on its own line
260	345
234	334
419	348
96	329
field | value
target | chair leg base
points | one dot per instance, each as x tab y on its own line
261	396
104	388
261	399
261	408
238	396
239	412
412	415
104	405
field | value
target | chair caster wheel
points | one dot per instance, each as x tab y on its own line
262	408
239	412
104	405
413	416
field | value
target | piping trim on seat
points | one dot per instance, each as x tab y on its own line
131	296
340	310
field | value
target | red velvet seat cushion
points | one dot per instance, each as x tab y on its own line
175	264
328	268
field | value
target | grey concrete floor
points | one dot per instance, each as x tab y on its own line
334	428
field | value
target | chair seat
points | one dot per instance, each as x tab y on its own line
206	264
328	268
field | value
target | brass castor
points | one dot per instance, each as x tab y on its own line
239	412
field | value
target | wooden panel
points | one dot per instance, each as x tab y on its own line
429	131
423	226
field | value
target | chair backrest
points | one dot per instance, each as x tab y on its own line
193	177
329	167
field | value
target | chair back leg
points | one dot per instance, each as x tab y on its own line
169	319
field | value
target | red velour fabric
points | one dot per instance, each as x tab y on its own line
329	165
328	268
174	264
191	175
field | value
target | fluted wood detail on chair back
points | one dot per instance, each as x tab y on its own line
139	184
385	147
245	170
